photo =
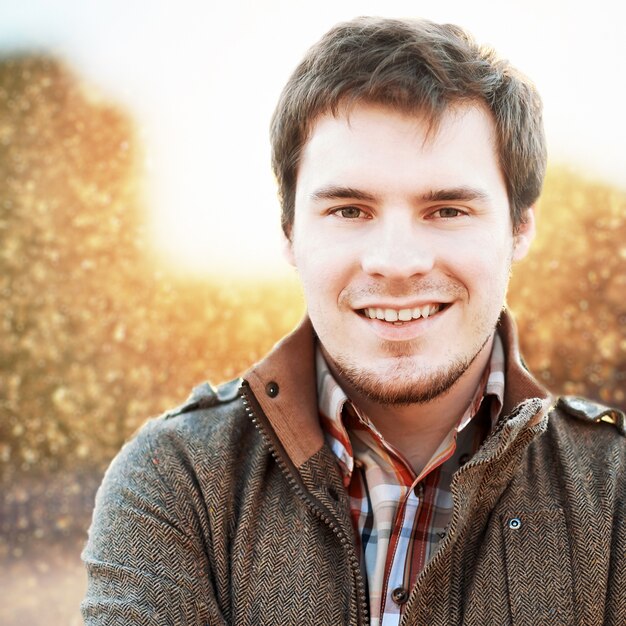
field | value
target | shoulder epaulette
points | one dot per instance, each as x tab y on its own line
591	411
230	390
205	396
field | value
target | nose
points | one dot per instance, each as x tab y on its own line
398	248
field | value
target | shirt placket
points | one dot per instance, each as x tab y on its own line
396	585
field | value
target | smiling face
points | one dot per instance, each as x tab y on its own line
403	242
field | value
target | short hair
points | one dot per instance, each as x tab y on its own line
418	67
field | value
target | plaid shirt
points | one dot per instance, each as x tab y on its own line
400	517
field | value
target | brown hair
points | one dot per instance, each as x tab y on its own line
413	66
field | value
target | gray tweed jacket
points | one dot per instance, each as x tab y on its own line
231	510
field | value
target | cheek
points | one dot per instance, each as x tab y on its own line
483	269
325	264
484	251
317	278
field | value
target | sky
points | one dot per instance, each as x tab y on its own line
201	80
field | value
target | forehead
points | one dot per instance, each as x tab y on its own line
374	144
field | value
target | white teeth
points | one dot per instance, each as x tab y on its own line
402	315
391	315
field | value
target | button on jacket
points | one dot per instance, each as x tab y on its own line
232	510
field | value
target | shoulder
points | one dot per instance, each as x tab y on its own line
210	428
206	396
208	413
591	412
576	463
188	454
590	437
590	421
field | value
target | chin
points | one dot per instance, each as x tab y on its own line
400	383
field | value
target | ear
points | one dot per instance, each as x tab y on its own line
524	235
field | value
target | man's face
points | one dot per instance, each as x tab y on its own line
403	242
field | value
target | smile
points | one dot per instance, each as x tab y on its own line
399	316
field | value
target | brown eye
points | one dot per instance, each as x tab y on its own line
449	212
349	212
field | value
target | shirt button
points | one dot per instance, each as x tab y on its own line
400	595
464	458
271	389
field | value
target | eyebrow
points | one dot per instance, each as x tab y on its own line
337	192
455	193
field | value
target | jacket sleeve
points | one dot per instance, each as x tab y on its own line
146	562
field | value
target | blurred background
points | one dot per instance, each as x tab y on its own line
139	230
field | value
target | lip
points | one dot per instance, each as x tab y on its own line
400	304
406	331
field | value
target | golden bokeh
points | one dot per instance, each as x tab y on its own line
93	339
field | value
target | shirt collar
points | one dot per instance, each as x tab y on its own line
332	399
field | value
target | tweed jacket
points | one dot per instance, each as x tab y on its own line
231	510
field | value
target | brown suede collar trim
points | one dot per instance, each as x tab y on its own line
284	385
289	369
519	384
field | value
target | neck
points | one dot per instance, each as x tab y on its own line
416	430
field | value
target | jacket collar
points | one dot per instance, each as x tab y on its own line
284	385
520	385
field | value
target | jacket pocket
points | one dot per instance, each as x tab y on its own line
538	567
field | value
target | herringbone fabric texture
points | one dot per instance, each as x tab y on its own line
197	523
171	545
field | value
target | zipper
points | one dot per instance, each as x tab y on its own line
455	512
315	507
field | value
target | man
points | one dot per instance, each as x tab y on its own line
391	461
